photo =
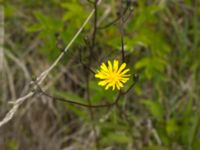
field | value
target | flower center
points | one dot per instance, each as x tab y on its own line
114	77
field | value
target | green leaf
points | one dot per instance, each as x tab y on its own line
155	148
116	137
12	144
171	127
75	13
9	10
70	96
154	108
99	94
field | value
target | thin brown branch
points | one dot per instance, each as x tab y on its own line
40	91
44	74
122	31
114	21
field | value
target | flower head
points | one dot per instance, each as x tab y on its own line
113	75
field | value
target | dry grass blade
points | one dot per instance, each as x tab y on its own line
17	103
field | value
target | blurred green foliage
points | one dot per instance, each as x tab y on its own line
162	42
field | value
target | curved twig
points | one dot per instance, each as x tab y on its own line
113	21
17	103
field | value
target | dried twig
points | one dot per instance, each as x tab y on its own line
17	103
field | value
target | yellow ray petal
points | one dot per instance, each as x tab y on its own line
118	87
125	71
110	66
112	75
115	65
113	87
120	84
104	67
102	75
124	80
121	67
103	83
109	85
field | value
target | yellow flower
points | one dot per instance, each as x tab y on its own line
113	75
